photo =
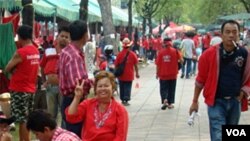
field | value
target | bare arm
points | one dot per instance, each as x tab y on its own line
136	71
77	98
13	62
195	104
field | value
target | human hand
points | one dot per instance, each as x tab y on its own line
137	75
194	107
79	89
45	84
242	94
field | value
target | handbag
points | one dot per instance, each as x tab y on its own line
120	67
179	63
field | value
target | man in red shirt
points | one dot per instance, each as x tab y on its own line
167	70
24	67
72	68
49	65
126	79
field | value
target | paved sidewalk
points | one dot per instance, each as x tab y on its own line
149	123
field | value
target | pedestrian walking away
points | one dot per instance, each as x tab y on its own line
167	71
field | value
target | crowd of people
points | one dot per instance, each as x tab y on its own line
222	61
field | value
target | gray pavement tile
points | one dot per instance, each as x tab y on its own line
149	123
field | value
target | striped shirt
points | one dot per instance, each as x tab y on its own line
72	68
64	135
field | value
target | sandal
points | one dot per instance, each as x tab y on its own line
171	106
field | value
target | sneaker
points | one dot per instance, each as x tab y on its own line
182	76
12	127
125	103
164	107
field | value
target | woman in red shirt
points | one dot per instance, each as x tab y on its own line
104	118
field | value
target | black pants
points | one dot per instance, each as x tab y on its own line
125	90
167	90
75	128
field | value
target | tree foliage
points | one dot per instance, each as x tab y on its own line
246	4
192	11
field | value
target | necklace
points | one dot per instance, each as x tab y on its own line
101	118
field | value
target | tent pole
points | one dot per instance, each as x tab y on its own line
1	15
54	25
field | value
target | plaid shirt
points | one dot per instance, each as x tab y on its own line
64	135
72	68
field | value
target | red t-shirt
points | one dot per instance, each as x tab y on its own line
49	61
25	75
103	65
167	63
145	44
128	74
154	44
158	44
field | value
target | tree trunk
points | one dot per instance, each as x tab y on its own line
144	20
107	22
150	25
27	12
130	19
83	11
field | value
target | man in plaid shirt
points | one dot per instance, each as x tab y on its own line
46	128
72	68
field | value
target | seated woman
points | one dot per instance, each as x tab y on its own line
104	118
4	127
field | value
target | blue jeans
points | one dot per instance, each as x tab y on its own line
224	112
54	100
194	61
125	90
187	63
167	90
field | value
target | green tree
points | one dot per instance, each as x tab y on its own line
147	9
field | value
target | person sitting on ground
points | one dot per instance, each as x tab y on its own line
5	127
45	128
104	118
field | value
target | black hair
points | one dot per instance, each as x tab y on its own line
230	22
77	29
25	32
39	119
63	28
167	39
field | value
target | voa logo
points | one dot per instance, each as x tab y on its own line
236	132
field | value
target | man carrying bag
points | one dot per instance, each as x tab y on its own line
126	78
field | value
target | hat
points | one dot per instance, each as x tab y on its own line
126	42
4	119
